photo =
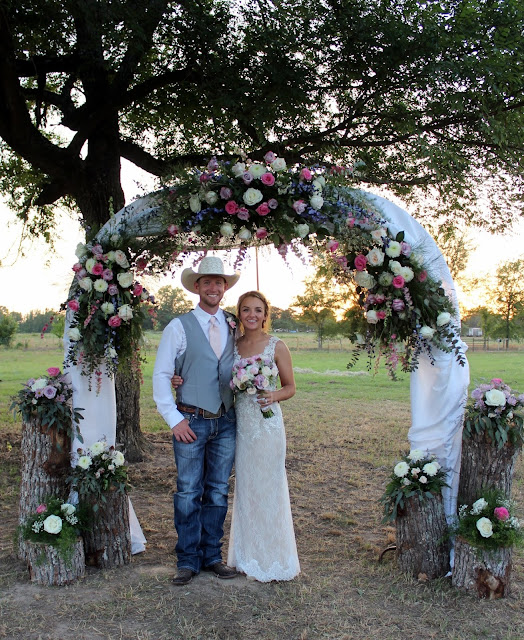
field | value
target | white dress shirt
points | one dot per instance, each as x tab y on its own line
172	345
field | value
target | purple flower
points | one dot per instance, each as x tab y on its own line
225	193
398	305
247	177
50	392
112	289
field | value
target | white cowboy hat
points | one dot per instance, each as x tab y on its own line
209	266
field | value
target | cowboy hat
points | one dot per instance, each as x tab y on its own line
209	266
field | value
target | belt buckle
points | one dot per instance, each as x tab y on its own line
209	416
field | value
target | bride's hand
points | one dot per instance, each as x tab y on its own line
265	398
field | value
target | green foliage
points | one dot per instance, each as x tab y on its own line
8	329
171	302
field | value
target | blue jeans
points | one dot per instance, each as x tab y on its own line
203	468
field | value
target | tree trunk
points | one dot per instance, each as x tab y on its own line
128	434
422	547
45	464
108	544
485	466
47	567
484	573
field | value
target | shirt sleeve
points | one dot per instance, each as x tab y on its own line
172	344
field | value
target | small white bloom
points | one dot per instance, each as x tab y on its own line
426	332
111	467
375	257
39	384
401	469
423	479
393	250
84	462
406	482
194	203
86	283
378	234
227	230
318	185
125	312
118	458
279	164
416	454
430	469
364	279
100	285
90	263
485	527
238	169
115	239
74	334
257	170
125	279
244	234
252	196
68	509
266	371
111	256
407	274
316	202
97	447
81	250
443	319
495	398
53	524
395	267
107	308
121	259
112	352
371	316
385	279
302	230
477	506
211	197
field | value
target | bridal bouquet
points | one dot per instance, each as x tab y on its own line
497	411
253	375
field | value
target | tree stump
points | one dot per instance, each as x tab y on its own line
46	461
484	573
484	465
421	537
49	568
108	543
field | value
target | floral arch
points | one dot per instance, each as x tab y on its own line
404	285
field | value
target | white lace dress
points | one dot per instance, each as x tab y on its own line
262	541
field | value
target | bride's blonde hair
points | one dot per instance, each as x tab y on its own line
263	299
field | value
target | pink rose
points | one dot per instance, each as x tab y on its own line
97	269
73	305
231	207
422	276
501	513
351	222
41	508
381	315
107	275
306	174
371	299
76	267
269	157
342	261
299	206
172	229
360	262
225	193
137	289
380	297
398	282
263	209
141	264
53	372
114	321
496	381
398	305
204	177
243	213
272	203
332	245
112	289
261	233
405	249
268	179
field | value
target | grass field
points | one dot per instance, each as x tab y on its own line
345	430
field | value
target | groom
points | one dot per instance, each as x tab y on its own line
198	346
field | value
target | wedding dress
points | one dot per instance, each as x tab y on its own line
262	540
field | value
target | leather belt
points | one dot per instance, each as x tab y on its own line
185	408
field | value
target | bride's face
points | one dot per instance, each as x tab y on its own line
252	313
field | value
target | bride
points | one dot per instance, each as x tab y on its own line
262	541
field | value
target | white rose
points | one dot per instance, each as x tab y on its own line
257	170
118	458
443	319
274	370
252	196
226	230
100	285
393	249
53	524
495	398
279	164
423	479
115	239
416	454
84	462
371	317
194	203
395	266
86	283
39	384
211	197
401	469
407	274
385	279
68	509
125	279
375	257
107	308
426	332
364	279
378	234
90	263
430	469
81	250
318	185
316	202
238	169
266	371
110	256
74	334
125	312
302	230
485	527
244	234
112	352
97	447
121	259
477	506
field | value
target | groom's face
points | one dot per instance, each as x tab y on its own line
211	290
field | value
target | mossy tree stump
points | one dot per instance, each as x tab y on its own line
481	572
422	547
50	568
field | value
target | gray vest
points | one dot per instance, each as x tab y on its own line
206	379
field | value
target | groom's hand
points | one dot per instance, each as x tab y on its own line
183	432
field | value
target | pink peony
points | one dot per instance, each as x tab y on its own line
299	206
137	289
381	315
306	174
272	203
398	282
380	298
270	157
501	513
268	179
360	262
263	209
225	193
422	276
73	305
261	233
97	269
114	321
53	372
172	229
496	381
41	508
231	207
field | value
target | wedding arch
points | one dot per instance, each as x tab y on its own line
411	317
